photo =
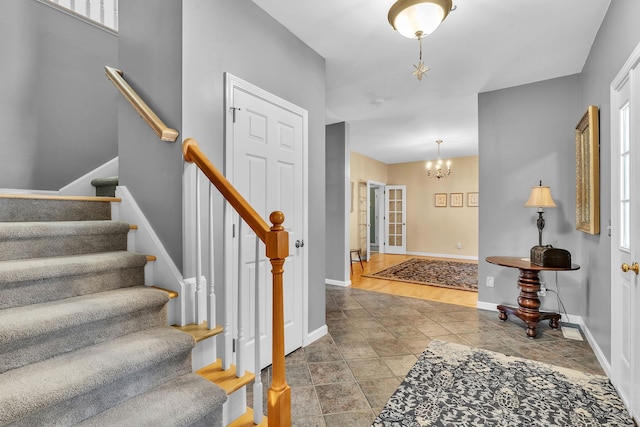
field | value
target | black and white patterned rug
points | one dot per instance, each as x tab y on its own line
455	385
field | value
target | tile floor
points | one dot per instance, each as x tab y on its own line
346	377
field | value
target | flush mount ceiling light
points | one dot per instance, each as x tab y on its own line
415	19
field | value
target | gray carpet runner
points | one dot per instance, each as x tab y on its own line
82	340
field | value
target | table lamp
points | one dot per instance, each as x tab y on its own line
540	197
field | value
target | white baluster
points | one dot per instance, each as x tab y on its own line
87	9
115	15
228	300
241	301
257	385
197	314
102	12
72	5
211	299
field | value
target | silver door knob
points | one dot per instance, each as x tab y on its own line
299	243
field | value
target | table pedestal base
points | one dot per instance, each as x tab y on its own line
529	304
531	318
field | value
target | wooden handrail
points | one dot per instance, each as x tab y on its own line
163	131
276	240
192	153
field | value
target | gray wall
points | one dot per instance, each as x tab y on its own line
517	142
150	56
240	38
57	107
619	34
526	134
337	210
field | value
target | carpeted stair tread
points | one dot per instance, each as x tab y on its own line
29	393
20	240
38	268
37	332
37	280
29	207
188	400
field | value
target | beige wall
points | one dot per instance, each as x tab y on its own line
437	230
363	168
430	230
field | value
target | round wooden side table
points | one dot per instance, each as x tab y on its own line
528	309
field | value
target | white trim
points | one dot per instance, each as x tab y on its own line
490	306
469	257
604	363
22	191
315	335
82	186
337	282
166	274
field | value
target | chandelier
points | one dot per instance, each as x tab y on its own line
437	171
415	19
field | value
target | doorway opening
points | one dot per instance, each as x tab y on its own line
375	218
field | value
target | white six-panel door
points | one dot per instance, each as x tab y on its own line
268	149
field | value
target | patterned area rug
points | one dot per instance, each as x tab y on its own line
455	385
447	274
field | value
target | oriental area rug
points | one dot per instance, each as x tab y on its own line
447	274
455	385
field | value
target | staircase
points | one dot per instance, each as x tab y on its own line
82	339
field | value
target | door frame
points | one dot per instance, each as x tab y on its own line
380	223
231	83
629	74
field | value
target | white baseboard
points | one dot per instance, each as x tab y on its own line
315	335
22	191
82	186
569	318
487	306
337	283
604	363
455	256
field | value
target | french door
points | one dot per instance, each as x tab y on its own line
395	212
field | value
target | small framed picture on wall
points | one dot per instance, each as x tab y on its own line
441	200
472	199
456	200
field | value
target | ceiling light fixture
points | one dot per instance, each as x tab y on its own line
438	172
415	19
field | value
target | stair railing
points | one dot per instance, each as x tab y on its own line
276	241
102	12
163	131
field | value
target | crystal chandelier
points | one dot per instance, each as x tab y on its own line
437	171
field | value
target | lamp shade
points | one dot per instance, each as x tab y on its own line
540	197
413	18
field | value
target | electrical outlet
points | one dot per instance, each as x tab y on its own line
490	281
543	290
459	245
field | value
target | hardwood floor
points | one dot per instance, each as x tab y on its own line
431	293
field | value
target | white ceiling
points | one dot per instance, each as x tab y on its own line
481	46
